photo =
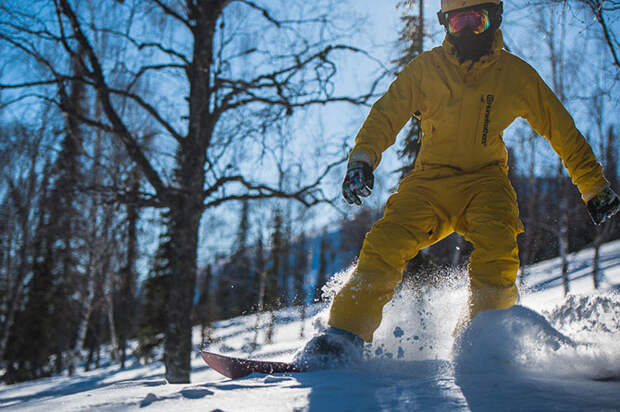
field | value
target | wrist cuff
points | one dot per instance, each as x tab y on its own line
587	196
360	156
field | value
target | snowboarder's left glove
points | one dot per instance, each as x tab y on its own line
358	182
603	206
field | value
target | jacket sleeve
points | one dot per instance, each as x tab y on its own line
550	119
387	117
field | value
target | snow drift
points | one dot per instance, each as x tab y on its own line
520	340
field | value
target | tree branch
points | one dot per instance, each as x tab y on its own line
28	84
145	45
103	91
173	13
598	12
149	109
307	195
278	23
116	195
262	10
272	81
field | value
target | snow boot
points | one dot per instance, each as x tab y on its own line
330	349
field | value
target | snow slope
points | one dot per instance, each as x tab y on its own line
548	353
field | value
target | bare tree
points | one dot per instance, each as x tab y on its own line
605	12
228	88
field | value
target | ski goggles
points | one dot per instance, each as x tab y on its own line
474	21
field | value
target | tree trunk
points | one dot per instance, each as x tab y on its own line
530	242
97	253
270	327
15	293
184	222
302	332
564	242
10	317
89	358
262	285
128	277
13	297
109	299
603	233
186	206
596	265
74	355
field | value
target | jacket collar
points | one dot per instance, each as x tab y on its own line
497	46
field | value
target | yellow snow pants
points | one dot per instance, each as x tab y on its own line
431	204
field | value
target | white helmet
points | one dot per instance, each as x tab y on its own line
449	5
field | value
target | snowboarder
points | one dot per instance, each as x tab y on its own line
465	93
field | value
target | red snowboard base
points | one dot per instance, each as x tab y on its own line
237	368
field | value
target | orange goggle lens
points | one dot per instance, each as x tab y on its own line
475	21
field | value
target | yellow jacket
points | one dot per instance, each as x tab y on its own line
464	110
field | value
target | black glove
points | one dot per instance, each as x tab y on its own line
603	206
358	182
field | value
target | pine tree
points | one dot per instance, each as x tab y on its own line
26	358
324	258
237	289
353	231
272	294
50	308
153	319
26	187
244	279
65	220
299	272
286	278
411	41
204	307
260	274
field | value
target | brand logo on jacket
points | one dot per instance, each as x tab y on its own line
487	116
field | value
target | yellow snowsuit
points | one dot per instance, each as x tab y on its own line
460	178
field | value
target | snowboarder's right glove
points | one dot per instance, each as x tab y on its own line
358	182
603	206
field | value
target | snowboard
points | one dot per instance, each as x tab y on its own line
234	368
